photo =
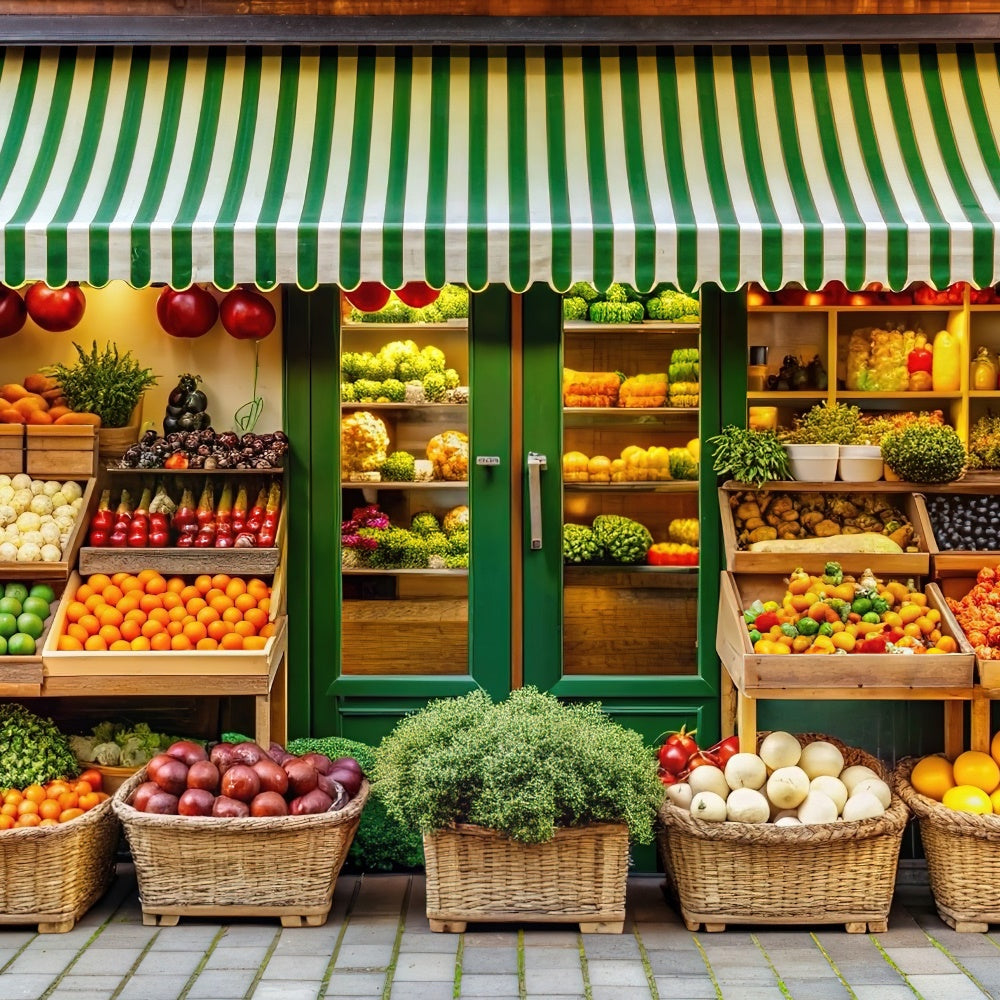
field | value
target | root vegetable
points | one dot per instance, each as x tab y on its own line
230	808
350	778
746	770
302	776
708	806
240	782
142	794
203	774
195	802
821	757
272	777
680	795
747	805
310	803
169	773
248	753
268	804
162	803
787	787
780	749
187	751
222	757
788	821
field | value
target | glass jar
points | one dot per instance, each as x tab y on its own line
983	372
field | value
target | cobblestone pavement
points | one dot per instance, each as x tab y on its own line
376	944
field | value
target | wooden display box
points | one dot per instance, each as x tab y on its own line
953	562
11	448
21	676
888	564
767	676
60	452
956	585
251	665
180	562
48	571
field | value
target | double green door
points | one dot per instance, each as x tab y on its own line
368	646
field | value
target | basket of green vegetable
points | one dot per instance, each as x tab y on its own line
510	798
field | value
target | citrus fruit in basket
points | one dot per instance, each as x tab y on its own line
967	798
933	776
977	769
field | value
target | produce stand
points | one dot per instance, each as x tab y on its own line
208	866
23	676
749	676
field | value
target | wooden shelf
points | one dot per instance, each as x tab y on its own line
363	571
924	397
853	310
646	326
160	471
435	484
179	562
669	486
574	569
430	408
452	324
792	395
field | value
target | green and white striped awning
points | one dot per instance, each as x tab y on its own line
505	166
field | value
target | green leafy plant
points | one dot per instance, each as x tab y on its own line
753	457
523	767
922	453
825	423
107	383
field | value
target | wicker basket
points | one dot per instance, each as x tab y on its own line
283	866
112	778
743	873
478	874
52	875
963	857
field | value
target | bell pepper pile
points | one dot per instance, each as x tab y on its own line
672	554
680	754
978	612
834	613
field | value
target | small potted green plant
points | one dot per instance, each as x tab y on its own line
110	384
749	456
925	453
526	807
813	444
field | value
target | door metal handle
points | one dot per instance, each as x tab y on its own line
536	465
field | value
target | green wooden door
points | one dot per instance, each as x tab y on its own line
329	693
640	641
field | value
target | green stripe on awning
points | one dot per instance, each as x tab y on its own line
492	165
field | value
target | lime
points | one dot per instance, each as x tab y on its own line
3	646
10	606
30	624
36	606
21	644
8	625
44	591
16	590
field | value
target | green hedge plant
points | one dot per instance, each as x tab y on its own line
523	767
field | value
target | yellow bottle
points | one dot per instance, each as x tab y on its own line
945	374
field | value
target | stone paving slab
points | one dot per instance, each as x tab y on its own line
377	944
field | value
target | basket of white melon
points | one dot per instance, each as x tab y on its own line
806	831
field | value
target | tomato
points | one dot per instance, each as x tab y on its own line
93	777
369	296
673	758
13	312
55	309
684	739
701	758
725	749
190	313
247	315
417	294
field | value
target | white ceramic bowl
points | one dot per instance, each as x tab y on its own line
813	463
860	463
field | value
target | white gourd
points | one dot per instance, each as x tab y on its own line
821	757
864	805
708	778
817	808
780	749
747	805
709	807
877	787
833	787
746	770
850	776
787	787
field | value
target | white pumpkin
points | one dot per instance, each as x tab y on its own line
747	805
821	757
746	770
780	749
709	807
787	787
833	787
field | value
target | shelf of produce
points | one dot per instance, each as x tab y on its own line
853	310
954	562
628	416
436	484
435	408
22	676
177	562
845	396
907	563
669	486
451	324
791	396
573	570
984	394
946	677
161	471
60	570
361	571
646	326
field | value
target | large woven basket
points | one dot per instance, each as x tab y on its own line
284	866
963	857
480	875
746	873
52	875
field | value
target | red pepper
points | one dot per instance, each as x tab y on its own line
178	460
765	621
920	359
255	519
873	644
205	513
102	522
185	514
239	515
725	749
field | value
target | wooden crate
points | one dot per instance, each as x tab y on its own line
255	668
830	676
903	564
21	676
60	451
180	562
11	448
953	562
956	584
48	571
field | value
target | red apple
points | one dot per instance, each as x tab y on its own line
417	294
190	313
369	296
247	315
12	311
55	309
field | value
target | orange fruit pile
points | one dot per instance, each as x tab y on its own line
125	613
54	802
970	784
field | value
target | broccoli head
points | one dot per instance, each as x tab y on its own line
617	293
624	541
437	543
424	523
347	392
352	366
575	307
682	464
434	386
367	390
583	290
394	352
580	544
394	311
399	467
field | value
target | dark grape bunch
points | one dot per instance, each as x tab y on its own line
206	449
965	522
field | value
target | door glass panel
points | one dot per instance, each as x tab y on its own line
630	450
404	538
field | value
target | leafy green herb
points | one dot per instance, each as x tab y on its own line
32	749
753	457
826	423
106	383
523	767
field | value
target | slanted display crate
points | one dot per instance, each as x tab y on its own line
908	563
60	451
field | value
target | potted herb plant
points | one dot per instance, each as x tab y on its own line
110	384
526	807
749	456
